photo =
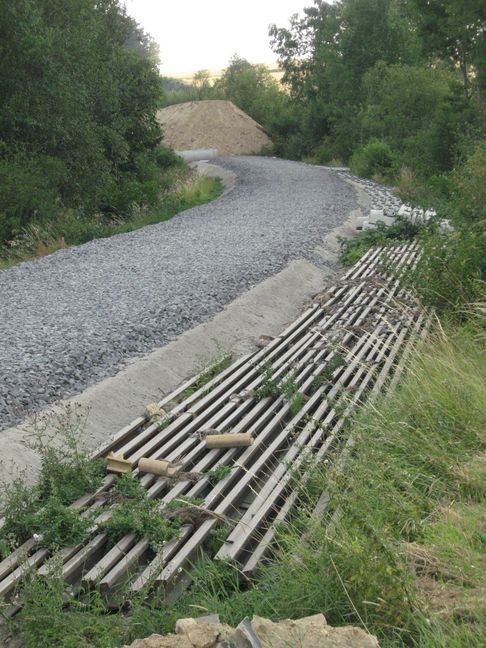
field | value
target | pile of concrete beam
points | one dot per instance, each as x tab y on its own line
386	207
414	215
294	398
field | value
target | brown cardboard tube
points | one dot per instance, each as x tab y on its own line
229	440
159	467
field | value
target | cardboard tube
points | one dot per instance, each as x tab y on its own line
229	440
158	467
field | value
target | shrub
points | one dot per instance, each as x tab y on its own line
375	159
29	191
469	186
452	269
167	158
352	249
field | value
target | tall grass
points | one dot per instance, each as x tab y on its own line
184	190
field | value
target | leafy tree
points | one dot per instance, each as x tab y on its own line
252	88
417	110
79	87
326	52
456	29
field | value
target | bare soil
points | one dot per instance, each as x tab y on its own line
212	124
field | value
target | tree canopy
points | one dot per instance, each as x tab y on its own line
79	86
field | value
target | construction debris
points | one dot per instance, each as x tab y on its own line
310	632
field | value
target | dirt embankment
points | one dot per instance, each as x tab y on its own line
212	124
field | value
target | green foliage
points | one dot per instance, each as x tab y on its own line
253	89
19	508
416	452
469	187
215	475
352	249
417	111
274	387
136	513
451	272
326	375
72	228
207	374
79	86
66	473
363	71
374	160
58	526
52	619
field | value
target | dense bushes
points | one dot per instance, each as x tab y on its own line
375	159
79	86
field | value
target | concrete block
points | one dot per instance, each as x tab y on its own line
360	221
375	215
404	211
446	225
369	226
387	220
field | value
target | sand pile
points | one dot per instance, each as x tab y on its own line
211	124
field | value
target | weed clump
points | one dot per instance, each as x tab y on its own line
66	473
217	474
402	231
208	373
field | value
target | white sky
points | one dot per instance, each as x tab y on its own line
204	34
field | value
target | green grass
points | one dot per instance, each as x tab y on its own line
185	191
207	373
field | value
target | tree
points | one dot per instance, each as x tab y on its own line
79	87
326	52
456	29
252	88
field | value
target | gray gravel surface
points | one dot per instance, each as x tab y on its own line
74	317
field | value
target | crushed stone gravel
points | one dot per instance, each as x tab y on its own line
73	318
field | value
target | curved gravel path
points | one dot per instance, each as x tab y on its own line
72	318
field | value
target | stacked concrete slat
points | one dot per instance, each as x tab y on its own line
366	320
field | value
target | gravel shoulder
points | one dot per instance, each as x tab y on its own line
73	318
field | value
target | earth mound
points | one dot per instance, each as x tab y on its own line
211	124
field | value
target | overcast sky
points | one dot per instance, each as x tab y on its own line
198	34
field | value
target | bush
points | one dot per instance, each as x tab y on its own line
469	186
375	159
29	192
452	269
352	249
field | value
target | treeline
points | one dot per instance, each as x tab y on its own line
395	88
79	140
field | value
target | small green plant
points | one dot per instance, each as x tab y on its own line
269	386
327	373
217	474
67	469
66	473
275	387
374	160
58	525
207	374
352	249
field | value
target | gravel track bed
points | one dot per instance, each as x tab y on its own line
73	318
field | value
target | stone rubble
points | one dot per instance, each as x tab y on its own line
309	632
